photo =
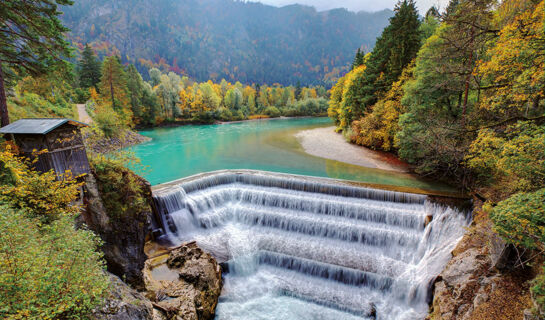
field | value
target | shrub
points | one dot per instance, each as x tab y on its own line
37	193
50	271
272	112
520	219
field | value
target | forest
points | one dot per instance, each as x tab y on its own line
460	96
235	40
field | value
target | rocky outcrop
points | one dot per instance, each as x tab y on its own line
480	281
184	284
123	236
123	303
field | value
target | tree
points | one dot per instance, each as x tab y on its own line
89	72
168	92
394	50
32	42
514	74
358	59
135	84
155	76
113	84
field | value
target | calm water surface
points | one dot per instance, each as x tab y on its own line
268	145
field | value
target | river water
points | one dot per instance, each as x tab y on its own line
268	145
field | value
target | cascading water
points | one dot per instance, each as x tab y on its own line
301	248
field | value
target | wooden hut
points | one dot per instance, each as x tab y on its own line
62	140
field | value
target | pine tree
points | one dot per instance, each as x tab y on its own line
88	69
32	41
394	50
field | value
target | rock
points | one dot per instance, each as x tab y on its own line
185	284
124	237
459	289
124	303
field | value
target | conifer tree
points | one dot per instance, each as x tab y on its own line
32	41
394	50
88	68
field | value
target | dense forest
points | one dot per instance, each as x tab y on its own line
236	40
460	95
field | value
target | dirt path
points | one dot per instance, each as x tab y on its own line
325	143
83	115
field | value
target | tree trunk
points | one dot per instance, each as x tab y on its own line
4	116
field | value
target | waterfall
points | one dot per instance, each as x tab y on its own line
295	247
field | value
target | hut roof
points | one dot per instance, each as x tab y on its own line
38	125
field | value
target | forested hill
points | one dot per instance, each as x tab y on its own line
214	39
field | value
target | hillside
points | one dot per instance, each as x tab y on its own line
238	41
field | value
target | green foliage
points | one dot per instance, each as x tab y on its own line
396	47
89	69
31	105
32	39
520	219
50	271
272	112
121	191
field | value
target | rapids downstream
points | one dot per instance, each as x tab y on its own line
296	247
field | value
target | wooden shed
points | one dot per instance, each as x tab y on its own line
60	137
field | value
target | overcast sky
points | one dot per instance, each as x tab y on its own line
357	5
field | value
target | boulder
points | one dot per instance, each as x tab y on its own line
123	303
184	284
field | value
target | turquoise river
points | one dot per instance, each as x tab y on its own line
268	145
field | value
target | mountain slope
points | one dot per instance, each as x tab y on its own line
214	39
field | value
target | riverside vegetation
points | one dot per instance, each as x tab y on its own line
458	94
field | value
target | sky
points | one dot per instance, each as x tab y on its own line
358	5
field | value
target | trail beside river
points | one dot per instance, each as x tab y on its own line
326	143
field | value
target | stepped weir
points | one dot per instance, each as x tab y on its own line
296	247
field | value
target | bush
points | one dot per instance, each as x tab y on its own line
520	219
50	271
272	112
107	120
37	193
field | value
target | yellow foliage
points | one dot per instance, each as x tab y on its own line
41	193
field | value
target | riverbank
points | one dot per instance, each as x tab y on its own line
326	143
187	122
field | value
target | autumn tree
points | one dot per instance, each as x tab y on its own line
32	42
113	84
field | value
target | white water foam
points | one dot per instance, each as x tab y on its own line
297	249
